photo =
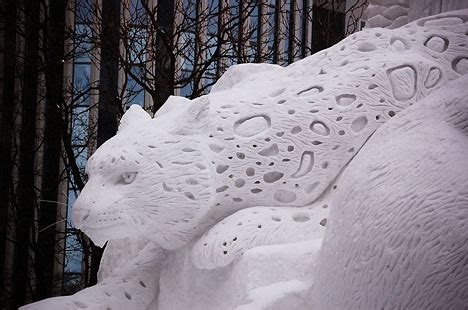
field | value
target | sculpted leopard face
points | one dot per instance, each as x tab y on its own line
144	182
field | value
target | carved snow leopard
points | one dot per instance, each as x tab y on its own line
138	191
279	137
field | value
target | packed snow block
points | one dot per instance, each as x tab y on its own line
397	231
284	271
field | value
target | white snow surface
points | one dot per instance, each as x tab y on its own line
338	182
392	14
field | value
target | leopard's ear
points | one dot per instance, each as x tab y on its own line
135	115
193	118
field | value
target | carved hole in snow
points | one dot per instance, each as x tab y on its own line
251	126
296	130
166	187
437	44
399	44
191	181
300	217
284	196
272	150
276	219
291	111
320	128
316	142
250	171
280	134
255	190
200	166
460	65
159	164
222	189
366	47
272	176
403	81
239	182
128	296
188	150
433	77
236	199
306	164
322	71
345	99
277	92
323	222
325	165
221	168
142	284
359	123
281	101
80	304
189	195
444	21
391	113
311	91
216	148
240	155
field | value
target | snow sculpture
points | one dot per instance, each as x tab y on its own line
252	151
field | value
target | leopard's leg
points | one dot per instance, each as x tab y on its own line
253	227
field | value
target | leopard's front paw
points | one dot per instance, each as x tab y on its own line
253	227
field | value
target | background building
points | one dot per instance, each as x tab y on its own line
69	70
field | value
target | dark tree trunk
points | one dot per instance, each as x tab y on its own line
292	30
165	59
276	32
26	174
7	107
108	86
109	103
327	29
54	47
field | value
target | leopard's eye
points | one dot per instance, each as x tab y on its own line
128	177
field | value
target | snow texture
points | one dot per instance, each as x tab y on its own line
222	202
392	14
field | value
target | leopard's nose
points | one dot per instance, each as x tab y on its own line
79	216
